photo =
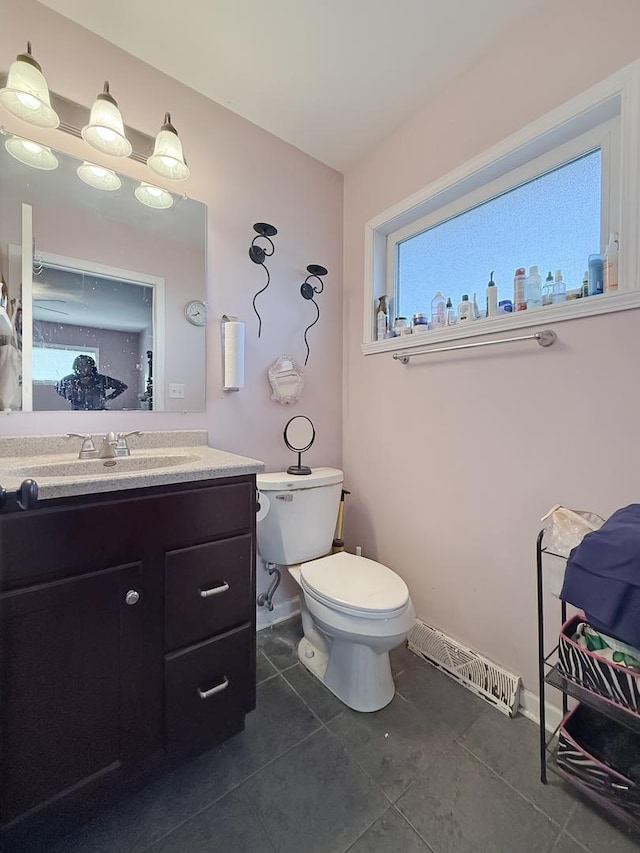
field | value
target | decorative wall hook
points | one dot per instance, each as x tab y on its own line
258	255
309	291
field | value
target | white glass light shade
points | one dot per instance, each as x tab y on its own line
26	94
105	131
154	196
167	159
31	153
98	177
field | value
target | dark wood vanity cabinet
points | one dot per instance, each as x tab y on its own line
127	639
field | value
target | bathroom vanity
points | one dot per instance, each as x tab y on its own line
127	613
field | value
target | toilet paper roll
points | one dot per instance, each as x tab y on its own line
265	503
233	355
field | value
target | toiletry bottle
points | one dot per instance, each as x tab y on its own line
610	265
547	290
464	310
475	311
520	290
382	319
585	284
594	273
438	312
559	288
451	313
534	289
492	297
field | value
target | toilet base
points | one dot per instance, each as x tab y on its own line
354	673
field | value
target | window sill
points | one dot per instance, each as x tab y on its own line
573	310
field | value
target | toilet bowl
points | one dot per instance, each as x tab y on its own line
354	610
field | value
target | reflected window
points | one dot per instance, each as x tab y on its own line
52	362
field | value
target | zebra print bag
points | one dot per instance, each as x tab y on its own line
617	684
582	752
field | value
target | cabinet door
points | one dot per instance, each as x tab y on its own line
71	675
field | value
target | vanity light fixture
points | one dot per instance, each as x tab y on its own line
167	159
309	291
26	94
98	177
154	196
31	153
259	255
105	131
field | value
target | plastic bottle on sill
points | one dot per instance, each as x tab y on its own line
475	311
464	310
610	265
547	290
452	318
492	297
520	290
585	284
438	312
382	319
534	289
559	288
594	275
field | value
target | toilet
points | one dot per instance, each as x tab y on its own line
354	610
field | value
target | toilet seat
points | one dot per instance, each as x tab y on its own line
355	586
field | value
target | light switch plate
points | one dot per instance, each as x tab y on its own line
176	391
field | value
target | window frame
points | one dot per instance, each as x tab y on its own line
607	116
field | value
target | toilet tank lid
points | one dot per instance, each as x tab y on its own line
355	582
281	481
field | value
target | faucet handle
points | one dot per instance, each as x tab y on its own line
88	449
124	435
122	448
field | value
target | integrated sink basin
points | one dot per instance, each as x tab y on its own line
96	467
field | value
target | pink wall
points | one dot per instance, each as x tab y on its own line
458	525
244	175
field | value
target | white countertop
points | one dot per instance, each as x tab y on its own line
157	459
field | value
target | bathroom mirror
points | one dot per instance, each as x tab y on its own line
286	380
97	274
299	435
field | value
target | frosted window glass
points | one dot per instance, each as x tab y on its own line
50	364
552	221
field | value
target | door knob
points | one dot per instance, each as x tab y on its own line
27	494
132	597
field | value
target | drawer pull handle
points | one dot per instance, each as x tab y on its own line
207	694
215	590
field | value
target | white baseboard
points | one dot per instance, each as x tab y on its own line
281	611
530	708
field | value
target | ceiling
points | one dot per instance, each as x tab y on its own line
332	77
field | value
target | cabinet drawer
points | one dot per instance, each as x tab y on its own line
208	686
208	589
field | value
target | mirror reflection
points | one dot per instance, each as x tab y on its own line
95	286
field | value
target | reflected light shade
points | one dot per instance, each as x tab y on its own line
26	94
167	159
105	131
31	153
98	177
154	196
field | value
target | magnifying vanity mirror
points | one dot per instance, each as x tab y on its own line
299	435
96	289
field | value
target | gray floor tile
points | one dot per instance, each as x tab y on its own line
280	721
401	658
459	806
447	705
599	832
280	643
315	798
565	844
321	700
264	668
390	834
230	826
394	745
511	748
138	821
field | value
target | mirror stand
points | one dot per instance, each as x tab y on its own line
299	434
299	469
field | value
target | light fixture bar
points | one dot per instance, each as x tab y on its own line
73	117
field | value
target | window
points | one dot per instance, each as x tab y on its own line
51	363
549	196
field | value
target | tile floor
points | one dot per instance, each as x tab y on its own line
437	770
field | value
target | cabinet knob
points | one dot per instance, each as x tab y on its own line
132	597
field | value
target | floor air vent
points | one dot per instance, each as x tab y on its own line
478	674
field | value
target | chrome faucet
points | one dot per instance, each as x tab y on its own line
108	446
122	448
88	449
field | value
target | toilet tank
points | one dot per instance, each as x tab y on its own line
297	516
